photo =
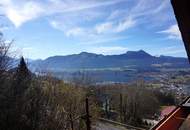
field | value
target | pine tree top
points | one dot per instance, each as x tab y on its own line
22	68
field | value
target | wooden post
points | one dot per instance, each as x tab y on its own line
71	121
120	107
87	115
106	108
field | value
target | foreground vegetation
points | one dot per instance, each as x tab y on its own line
40	103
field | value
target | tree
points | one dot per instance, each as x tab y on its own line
4	56
16	97
5	79
22	78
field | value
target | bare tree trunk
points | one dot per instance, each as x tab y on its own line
87	115
106	108
71	122
120	107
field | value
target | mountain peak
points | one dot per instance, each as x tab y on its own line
138	54
139	51
83	52
142	51
87	53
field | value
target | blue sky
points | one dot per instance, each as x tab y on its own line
43	28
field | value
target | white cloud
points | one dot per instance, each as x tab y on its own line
99	29
126	24
69	31
75	32
122	19
172	32
108	50
115	14
21	14
83	5
148	7
104	27
21	11
120	26
143	11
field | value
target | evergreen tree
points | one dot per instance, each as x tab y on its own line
16	118
22	78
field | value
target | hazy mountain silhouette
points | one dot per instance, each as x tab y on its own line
130	59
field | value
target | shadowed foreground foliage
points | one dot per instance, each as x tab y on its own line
40	103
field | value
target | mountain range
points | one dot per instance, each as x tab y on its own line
131	60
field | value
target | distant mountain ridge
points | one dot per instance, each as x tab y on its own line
131	59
